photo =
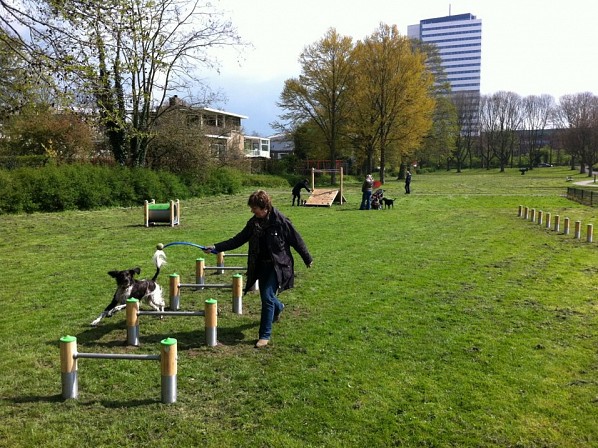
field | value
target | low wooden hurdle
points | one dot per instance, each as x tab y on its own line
210	313
236	286
69	366
220	268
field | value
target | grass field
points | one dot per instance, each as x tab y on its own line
447	321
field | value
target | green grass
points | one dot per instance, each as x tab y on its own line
447	321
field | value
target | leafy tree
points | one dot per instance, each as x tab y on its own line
322	92
392	104
61	136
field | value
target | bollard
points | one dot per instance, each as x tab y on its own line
566	226
132	312
211	322
557	223
68	367
577	230
548	216
238	294
168	368
175	292
590	233
540	217
532	215
525	212
520	211
200	265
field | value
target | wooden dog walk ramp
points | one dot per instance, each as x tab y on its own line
324	198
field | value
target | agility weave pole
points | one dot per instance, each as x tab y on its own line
236	286
210	313
69	357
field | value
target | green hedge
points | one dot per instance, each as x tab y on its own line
87	187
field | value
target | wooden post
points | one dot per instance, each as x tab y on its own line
238	294
577	230
68	367
548	217
200	265
220	262
172	211
590	233
175	291
132	311
532	215
211	322
526	213
566	226
168	368
557	223
146	213
540	217
313	179
520	211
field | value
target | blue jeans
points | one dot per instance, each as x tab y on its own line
270	303
366	200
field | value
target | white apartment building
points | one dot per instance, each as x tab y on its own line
459	42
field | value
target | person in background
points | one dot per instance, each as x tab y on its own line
270	235
366	192
408	182
297	191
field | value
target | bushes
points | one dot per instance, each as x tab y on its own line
83	187
86	187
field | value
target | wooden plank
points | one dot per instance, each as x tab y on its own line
323	198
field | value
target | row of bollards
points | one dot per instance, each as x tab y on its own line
546	219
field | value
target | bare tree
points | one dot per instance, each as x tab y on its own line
578	114
537	112
129	56
500	117
467	105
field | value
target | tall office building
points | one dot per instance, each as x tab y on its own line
459	42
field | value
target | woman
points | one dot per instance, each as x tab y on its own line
270	235
366	193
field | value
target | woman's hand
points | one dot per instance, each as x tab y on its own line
209	249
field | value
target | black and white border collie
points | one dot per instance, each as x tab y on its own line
127	286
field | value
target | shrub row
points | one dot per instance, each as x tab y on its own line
87	187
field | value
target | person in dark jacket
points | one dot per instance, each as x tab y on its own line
366	193
270	235
408	182
297	191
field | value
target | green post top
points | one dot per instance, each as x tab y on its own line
132	300
200	259
68	339
174	275
168	341
237	275
211	301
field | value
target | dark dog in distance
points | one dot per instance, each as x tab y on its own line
388	203
127	286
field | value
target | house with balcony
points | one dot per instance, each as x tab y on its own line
224	130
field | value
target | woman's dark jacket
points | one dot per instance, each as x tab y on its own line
280	236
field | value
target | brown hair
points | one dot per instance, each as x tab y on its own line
260	199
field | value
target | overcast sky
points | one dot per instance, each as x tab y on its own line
528	46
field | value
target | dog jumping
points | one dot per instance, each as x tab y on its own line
388	203
127	286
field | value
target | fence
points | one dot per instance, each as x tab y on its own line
585	197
